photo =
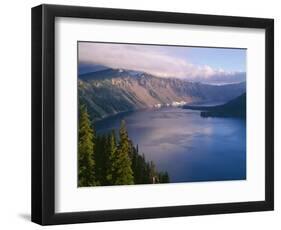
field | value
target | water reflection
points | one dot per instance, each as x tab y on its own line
189	147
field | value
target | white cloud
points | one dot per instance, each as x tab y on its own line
152	60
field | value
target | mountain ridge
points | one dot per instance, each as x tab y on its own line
112	91
234	108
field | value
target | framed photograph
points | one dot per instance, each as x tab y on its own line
141	114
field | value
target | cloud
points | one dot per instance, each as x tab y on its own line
154	60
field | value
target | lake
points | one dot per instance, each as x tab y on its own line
189	147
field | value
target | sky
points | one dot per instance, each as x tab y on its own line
196	64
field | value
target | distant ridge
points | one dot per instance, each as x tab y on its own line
84	68
111	91
233	108
108	73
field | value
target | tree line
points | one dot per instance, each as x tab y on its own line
110	159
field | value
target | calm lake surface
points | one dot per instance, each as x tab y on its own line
190	148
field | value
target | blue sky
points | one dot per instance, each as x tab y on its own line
200	64
224	58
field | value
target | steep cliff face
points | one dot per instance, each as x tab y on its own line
111	91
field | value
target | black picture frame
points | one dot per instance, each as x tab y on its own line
43	114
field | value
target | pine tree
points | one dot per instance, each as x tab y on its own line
163	177
111	158
123	173
166	178
85	150
152	173
100	159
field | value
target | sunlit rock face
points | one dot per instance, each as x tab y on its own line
111	91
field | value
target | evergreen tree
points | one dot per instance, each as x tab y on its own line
166	178
145	168
100	159
163	177
85	150
123	173
111	174
152	173
136	165
105	161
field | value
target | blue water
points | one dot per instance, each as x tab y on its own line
190	148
